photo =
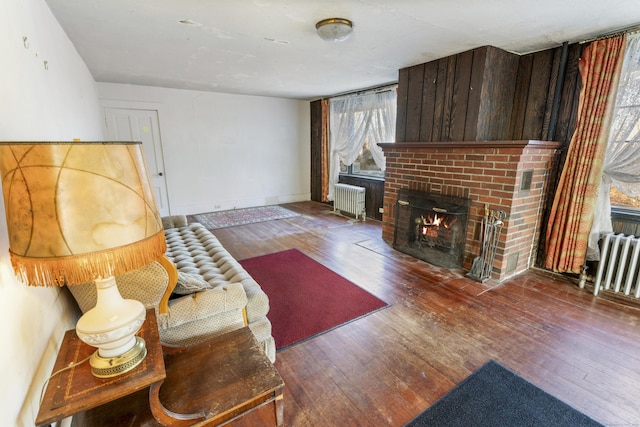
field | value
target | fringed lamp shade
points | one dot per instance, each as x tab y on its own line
79	212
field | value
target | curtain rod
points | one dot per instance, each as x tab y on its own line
617	33
379	89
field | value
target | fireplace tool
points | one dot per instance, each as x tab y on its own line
492	224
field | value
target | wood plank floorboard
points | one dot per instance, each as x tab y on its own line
387	367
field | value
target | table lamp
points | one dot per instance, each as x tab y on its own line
79	212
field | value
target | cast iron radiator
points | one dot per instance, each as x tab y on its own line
619	268
350	198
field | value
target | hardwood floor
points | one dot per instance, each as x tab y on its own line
389	366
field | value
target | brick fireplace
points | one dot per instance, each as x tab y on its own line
503	175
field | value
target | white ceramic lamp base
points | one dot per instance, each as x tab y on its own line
111	327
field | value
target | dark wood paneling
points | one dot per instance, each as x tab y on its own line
414	102
568	112
374	193
463	97
460	96
475	93
448	96
429	90
537	99
501	69
401	112
487	94
520	98
316	150
438	111
554	80
534	94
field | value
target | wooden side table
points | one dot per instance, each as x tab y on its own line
211	383
77	390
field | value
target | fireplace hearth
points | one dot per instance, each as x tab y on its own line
431	227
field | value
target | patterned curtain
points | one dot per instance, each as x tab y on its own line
622	158
574	203
325	150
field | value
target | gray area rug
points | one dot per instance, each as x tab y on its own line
495	396
222	219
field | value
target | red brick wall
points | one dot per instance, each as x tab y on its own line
485	172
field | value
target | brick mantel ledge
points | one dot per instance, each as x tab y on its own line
473	144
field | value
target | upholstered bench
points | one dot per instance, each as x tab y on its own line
197	254
198	290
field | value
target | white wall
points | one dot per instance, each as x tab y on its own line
225	151
53	102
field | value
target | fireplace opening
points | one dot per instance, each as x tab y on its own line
431	227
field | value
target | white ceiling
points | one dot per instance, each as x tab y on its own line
270	47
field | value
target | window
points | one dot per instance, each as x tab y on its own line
357	124
622	160
622	201
364	164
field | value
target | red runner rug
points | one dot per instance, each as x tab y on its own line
306	298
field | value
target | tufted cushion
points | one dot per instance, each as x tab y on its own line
195	250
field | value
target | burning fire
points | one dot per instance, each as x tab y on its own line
432	224
433	220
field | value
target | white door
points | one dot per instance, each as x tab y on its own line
142	125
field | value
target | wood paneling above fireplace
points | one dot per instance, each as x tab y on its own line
464	97
488	94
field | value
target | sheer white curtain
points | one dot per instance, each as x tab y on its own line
354	120
622	158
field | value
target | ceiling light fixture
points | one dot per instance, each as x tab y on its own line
334	29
